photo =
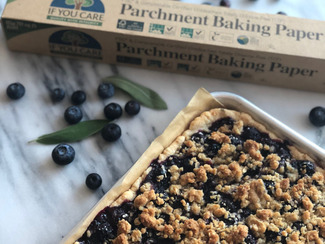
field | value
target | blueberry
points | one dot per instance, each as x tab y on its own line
212	147
78	97
317	116
63	154
221	122
235	140
73	114
251	133
57	94
111	132
225	3
227	202
281	12
306	168
117	213
113	111
199	137
132	107
105	90
207	3
15	91
246	212
93	181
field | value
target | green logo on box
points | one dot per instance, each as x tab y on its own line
187	32
88	12
156	28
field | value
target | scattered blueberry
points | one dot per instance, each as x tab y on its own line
317	116
132	107
207	3
57	94
111	132
78	97
225	3
281	12
105	90
63	154
113	111
15	91
73	114
93	181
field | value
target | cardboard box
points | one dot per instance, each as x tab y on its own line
172	36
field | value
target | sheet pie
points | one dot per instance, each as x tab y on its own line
224	179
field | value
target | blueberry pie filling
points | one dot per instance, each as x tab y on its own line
225	180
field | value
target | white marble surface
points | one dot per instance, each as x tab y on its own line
40	202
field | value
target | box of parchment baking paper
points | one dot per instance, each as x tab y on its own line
172	36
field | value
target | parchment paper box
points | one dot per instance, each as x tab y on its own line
175	37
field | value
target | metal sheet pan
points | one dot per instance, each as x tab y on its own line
236	102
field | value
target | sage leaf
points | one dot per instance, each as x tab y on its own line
142	94
73	133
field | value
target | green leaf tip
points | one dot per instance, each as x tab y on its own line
72	133
142	94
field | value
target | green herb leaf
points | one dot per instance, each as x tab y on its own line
9	1
142	94
73	133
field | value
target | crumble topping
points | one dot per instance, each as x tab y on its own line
227	182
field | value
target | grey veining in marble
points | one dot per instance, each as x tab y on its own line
40	201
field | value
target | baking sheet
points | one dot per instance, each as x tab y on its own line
201	101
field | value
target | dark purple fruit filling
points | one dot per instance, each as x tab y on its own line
104	226
251	239
211	148
273	237
298	225
150	237
269	186
221	122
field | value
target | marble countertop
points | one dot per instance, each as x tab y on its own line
40	201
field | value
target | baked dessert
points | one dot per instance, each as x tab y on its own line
226	179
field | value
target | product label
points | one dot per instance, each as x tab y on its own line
190	60
88	12
75	43
219	22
